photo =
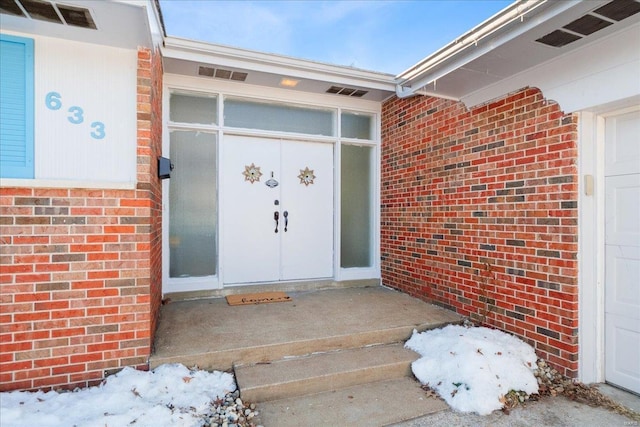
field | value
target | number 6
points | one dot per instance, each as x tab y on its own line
53	101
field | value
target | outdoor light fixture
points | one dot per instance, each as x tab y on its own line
289	82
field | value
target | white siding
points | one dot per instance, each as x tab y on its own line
102	81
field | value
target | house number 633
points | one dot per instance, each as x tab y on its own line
53	101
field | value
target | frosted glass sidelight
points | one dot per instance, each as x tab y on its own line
241	113
356	209
193	209
193	109
354	125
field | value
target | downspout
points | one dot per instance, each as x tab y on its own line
472	38
405	92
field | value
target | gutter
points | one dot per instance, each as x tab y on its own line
456	54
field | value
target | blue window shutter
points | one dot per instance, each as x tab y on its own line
16	107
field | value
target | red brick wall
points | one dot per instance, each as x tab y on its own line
80	270
479	214
149	149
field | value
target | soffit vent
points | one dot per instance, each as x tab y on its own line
588	24
41	10
592	22
10	7
77	16
49	12
346	91
619	9
221	73
558	38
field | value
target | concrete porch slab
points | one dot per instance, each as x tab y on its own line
213	335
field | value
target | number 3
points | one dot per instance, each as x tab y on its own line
53	101
98	130
76	116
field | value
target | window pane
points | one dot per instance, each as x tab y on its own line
193	109
193	210
353	125
277	117
356	215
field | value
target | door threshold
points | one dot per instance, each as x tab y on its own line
293	286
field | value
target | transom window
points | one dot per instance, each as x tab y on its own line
245	113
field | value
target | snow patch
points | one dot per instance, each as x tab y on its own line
170	395
473	368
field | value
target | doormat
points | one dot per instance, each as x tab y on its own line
257	298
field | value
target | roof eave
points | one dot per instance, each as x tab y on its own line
492	33
185	49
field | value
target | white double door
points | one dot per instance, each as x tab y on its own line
622	251
277	210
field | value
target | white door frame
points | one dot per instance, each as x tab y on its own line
591	242
196	85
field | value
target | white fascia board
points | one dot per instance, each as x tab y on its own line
277	64
154	24
471	37
481	40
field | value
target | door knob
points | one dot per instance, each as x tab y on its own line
276	217
286	220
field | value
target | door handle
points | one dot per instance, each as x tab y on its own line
276	216
286	220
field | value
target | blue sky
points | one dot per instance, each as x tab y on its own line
386	36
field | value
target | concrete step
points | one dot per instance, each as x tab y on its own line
219	358
322	372
380	403
212	335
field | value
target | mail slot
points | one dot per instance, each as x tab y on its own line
164	168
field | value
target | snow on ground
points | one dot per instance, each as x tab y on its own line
473	368
170	395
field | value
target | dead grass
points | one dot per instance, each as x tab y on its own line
551	383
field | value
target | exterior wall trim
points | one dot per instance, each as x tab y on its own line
591	256
591	250
55	183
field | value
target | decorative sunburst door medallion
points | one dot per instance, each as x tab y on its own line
252	173
306	176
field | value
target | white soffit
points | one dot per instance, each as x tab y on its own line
469	77
117	24
185	57
602	72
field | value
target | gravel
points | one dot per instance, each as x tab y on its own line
551	383
231	411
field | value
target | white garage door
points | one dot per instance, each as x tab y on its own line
622	251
